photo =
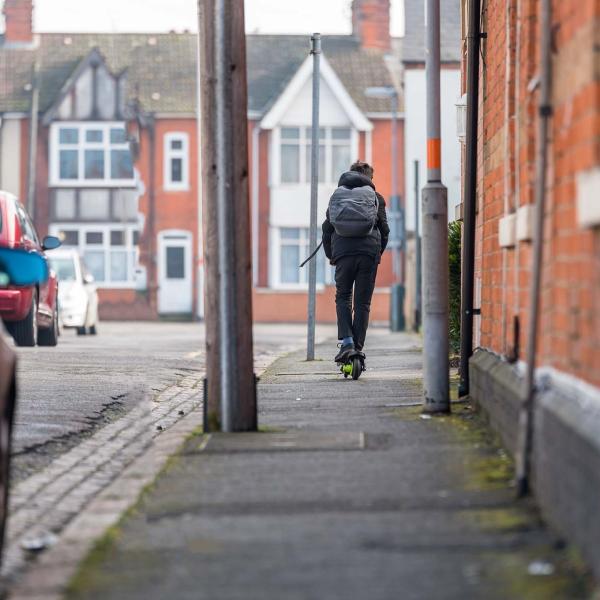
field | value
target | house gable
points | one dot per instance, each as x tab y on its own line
333	88
331	112
92	92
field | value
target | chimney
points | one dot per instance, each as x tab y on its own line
18	16
371	23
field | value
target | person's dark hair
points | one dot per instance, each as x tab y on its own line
363	168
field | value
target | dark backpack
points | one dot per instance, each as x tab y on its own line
353	212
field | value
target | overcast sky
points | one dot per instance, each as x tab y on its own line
262	16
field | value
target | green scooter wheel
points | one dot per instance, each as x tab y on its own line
347	369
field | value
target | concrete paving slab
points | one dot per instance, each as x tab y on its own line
426	512
299	441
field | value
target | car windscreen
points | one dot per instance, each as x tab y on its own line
64	268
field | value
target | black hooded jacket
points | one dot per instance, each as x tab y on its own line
374	244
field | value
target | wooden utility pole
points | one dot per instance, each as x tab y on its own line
231	387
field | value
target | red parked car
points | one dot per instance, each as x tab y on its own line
30	313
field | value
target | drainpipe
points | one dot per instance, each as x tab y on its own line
525	433
517	147
152	280
33	136
507	162
255	200
470	195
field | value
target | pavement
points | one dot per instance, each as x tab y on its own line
69	392
347	492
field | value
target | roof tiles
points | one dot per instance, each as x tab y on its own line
161	68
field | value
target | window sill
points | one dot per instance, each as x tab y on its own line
75	183
289	289
115	285
176	188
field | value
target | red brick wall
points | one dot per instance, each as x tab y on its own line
271	306
42	174
147	245
178	209
382	152
124	305
570	320
24	160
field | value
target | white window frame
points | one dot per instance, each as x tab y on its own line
82	127
305	140
183	154
275	262
131	249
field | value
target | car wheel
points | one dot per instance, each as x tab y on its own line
25	332
93	330
49	337
81	330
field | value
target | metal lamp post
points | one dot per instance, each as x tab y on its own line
397	221
434	203
314	194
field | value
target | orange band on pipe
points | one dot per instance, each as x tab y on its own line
434	153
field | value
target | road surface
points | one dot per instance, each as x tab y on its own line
68	392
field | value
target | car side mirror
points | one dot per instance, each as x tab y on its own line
88	279
50	242
20	267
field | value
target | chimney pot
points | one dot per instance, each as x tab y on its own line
19	21
371	23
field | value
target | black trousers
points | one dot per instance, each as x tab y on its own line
358	273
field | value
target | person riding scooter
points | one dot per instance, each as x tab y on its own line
355	234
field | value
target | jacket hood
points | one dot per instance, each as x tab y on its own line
352	179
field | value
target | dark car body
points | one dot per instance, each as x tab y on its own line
25	268
19	303
8	369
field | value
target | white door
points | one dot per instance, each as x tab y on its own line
174	272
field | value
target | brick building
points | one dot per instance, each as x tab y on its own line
137	222
566	456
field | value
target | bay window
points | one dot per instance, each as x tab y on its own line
293	247
335	154
90	154
108	250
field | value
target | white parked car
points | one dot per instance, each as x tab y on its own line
77	294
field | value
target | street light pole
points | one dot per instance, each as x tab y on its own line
436	387
314	195
231	391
